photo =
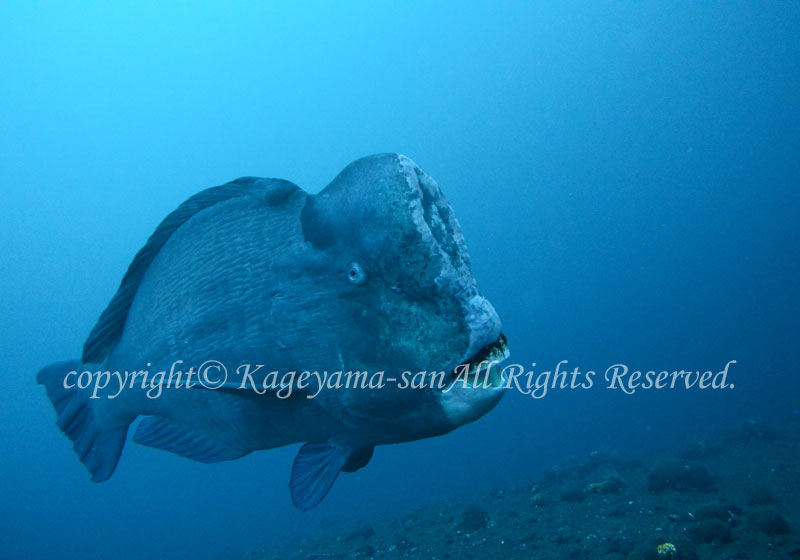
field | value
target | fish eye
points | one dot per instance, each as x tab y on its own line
356	274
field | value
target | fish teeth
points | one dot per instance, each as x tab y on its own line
489	356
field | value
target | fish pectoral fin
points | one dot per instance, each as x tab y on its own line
316	467
171	436
283	392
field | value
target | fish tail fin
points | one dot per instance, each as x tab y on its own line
98	447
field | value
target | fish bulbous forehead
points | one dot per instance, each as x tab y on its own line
385	211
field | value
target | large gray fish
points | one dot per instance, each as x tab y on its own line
370	275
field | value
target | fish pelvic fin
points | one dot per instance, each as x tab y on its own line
98	446
316	468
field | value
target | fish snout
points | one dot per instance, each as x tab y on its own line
483	325
477	384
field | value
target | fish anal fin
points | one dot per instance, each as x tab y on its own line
170	436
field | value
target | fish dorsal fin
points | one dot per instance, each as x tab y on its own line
111	323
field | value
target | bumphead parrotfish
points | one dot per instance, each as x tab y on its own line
259	278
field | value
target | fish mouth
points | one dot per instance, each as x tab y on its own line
481	371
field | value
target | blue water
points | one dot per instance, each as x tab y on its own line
626	175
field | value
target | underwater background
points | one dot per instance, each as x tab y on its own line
627	177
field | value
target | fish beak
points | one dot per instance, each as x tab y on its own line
481	370
477	385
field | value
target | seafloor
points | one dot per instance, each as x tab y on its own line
734	497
